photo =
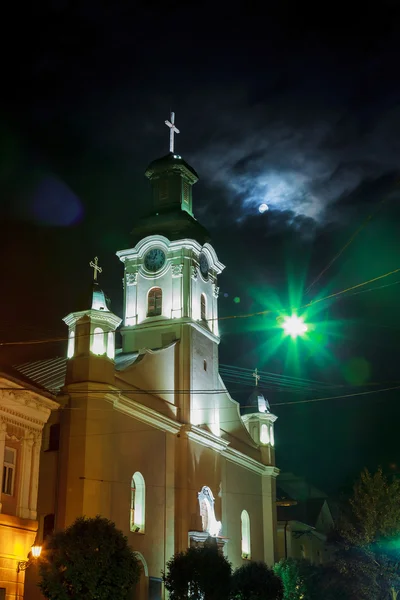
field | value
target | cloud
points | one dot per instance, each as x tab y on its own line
302	163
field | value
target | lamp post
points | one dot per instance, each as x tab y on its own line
24	564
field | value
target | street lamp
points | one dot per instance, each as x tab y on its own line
24	564
294	326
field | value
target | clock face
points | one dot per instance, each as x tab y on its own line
154	260
204	265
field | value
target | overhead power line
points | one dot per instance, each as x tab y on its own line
350	240
244	316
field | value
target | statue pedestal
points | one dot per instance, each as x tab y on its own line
199	539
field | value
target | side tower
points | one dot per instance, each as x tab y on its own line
259	422
91	338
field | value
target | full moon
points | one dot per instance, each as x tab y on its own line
263	207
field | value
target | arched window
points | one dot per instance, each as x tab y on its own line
264	434
71	344
271	436
246	544
111	345
138	503
154	302
98	346
203	308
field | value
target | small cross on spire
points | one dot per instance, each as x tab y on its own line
256	376
172	131
95	267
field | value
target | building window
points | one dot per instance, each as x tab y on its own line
54	437
271	435
186	192
246	545
3	593
48	526
138	503
163	190
264	434
205	365
203	307
10	456
154	302
98	346
111	345
71	344
303	551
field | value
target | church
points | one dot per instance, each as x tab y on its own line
148	435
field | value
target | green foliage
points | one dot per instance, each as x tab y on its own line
198	573
368	536
297	578
256	581
304	581
91	559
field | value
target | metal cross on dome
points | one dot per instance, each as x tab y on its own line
172	131
95	267
256	376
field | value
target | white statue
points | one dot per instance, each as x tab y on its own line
209	522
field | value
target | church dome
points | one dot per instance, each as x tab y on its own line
99	299
93	298
256	403
171	162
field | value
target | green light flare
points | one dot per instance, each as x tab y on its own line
294	326
272	342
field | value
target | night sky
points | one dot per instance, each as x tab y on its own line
293	106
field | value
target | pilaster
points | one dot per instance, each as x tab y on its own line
3	428
34	477
269	515
25	467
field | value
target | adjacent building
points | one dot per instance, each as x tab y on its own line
24	410
304	520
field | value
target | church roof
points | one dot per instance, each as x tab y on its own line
50	373
255	403
17	376
93	297
171	162
306	512
99	299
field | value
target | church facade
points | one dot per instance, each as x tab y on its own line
148	435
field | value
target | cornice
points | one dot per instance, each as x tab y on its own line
250	463
18	419
23	401
168	322
170	246
143	413
96	316
258	416
205	438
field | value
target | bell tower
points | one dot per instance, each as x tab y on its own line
171	279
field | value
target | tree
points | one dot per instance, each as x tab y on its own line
368	536
298	577
303	580
90	559
256	581
198	573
